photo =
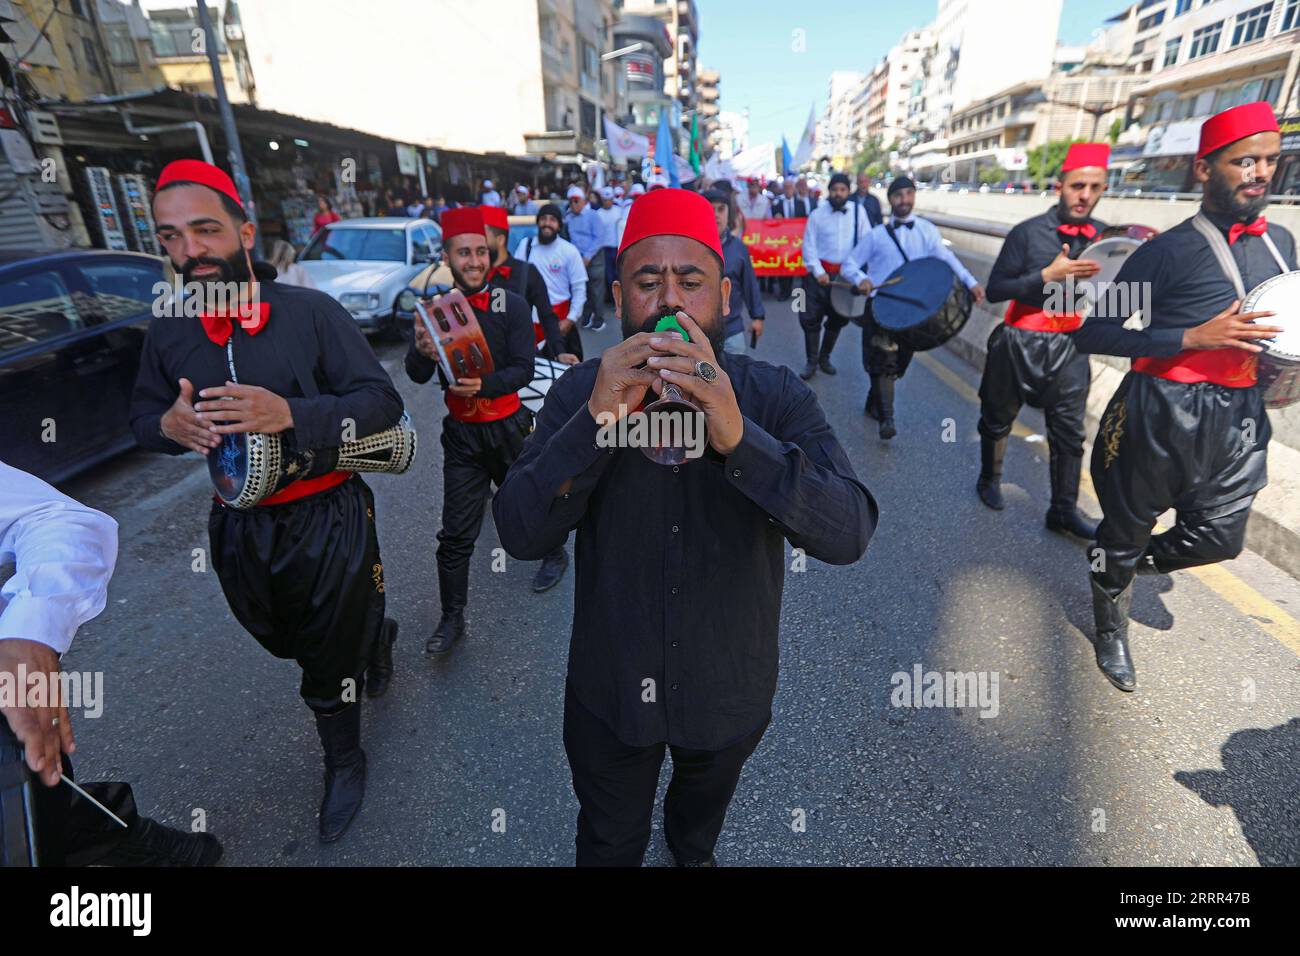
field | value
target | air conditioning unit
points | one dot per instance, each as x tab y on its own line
45	128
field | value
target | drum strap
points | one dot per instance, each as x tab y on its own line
1219	246
306	383
897	245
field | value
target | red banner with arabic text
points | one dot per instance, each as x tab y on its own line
775	246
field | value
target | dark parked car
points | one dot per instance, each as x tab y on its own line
71	328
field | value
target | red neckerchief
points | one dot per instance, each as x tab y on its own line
502	271
1256	228
1075	229
220	327
479	300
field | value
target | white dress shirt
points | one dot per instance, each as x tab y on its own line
829	234
760	207
560	264
64	554
876	256
609	220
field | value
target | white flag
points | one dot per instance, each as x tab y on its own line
804	152
625	144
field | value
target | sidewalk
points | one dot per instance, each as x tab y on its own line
1274	529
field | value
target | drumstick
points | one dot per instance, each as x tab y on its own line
68	781
884	285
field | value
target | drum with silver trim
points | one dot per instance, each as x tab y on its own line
1279	363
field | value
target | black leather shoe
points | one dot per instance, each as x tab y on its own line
870	408
345	771
990	492
149	843
887	429
380	672
1115	662
446	635
824	363
711	861
553	567
1071	522
829	337
810	341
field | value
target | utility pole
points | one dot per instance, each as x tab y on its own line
234	152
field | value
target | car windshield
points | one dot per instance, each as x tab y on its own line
367	245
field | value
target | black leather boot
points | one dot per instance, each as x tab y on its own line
552	570
379	674
453	591
872	408
1063	516
885	404
989	486
1111	644
829	338
810	340
149	843
345	771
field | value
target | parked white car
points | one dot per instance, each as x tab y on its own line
366	264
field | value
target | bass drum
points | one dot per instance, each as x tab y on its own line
1279	363
545	374
925	307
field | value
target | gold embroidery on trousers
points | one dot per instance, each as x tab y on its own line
1112	430
377	575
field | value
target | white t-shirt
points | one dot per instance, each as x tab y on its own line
561	267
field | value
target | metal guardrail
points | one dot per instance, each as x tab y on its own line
1284	199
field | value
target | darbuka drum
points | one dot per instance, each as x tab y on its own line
545	374
250	466
922	303
1279	364
462	348
847	301
1110	253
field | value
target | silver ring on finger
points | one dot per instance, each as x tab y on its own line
706	371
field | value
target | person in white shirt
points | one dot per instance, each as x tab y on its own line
281	254
63	554
833	229
562	268
489	196
753	203
882	250
524	204
609	216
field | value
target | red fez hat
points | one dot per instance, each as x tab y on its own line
461	220
201	173
495	216
672	212
1234	124
1080	155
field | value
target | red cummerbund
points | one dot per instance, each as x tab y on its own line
832	268
1231	368
303	488
561	310
482	409
1034	319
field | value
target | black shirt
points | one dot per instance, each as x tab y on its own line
1182	285
526	280
1030	247
679	569
509	335
356	394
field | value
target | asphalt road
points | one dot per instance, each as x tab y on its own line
1199	767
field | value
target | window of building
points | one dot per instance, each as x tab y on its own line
78	9
1171	49
587	117
1251	24
1154	20
1205	40
1138	47
1291	15
121	48
1181	7
590	60
92	58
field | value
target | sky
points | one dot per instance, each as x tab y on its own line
749	43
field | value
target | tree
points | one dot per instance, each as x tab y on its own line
872	159
1045	165
993	174
1116	128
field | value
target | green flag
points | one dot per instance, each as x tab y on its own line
695	150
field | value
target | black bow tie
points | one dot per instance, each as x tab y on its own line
906	225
